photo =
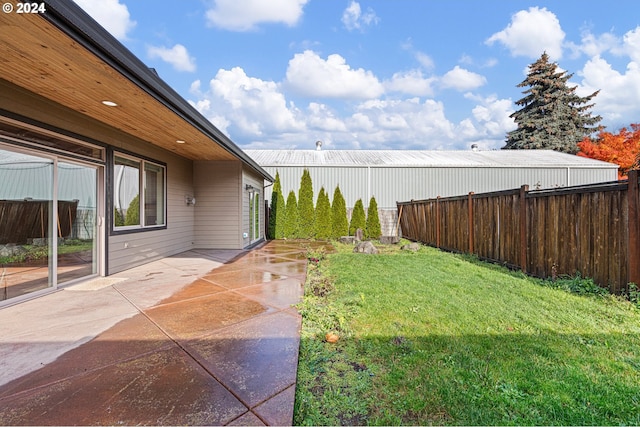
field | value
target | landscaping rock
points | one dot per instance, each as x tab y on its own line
389	240
11	249
411	247
347	240
365	248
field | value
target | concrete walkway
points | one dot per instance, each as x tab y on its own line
207	337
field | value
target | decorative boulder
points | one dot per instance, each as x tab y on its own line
11	249
411	247
365	248
347	240
389	240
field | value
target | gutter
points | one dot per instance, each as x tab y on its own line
83	29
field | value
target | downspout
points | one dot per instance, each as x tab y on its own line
368	183
568	176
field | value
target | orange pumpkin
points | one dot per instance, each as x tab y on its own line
331	337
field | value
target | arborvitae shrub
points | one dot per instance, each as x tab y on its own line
305	207
275	207
339	223
291	222
323	216
373	230
358	219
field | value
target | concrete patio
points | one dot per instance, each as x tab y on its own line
206	337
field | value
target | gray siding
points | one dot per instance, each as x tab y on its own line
130	250
218	204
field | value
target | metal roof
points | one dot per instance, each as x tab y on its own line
424	158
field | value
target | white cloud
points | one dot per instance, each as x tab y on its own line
245	15
310	75
632	44
111	14
530	33
251	106
257	111
462	80
617	101
492	115
177	56
320	117
354	19
410	82
424	60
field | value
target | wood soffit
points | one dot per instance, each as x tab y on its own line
36	55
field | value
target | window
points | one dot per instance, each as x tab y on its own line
254	215
131	207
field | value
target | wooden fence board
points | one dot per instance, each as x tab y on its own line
592	230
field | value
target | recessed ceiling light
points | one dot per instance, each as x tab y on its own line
110	103
179	141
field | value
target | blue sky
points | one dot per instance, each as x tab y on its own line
385	74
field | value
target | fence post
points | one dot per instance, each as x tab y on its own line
470	201
633	194
438	222
523	227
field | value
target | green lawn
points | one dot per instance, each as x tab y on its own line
436	338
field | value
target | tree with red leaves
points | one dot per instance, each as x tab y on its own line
622	148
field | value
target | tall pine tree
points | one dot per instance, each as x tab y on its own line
305	207
358	218
291	221
373	230
339	223
552	116
323	216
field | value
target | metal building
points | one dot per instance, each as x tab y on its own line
401	175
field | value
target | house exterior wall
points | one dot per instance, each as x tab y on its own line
214	222
132	249
218	206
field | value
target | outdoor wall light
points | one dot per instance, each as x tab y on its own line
190	200
250	188
109	103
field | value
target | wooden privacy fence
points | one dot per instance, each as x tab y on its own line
23	220
593	230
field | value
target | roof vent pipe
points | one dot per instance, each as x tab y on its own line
318	145
474	147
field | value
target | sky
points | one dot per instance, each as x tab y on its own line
378	74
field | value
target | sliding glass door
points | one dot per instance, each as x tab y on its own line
77	221
26	223
49	209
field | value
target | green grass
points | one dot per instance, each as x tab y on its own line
436	338
34	253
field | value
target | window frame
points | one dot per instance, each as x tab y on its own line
141	162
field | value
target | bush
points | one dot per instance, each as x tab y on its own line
339	223
276	218
373	230
358	219
305	207
323	216
291	222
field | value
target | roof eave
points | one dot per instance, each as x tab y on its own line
81	28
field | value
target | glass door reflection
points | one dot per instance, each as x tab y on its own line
26	223
76	223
